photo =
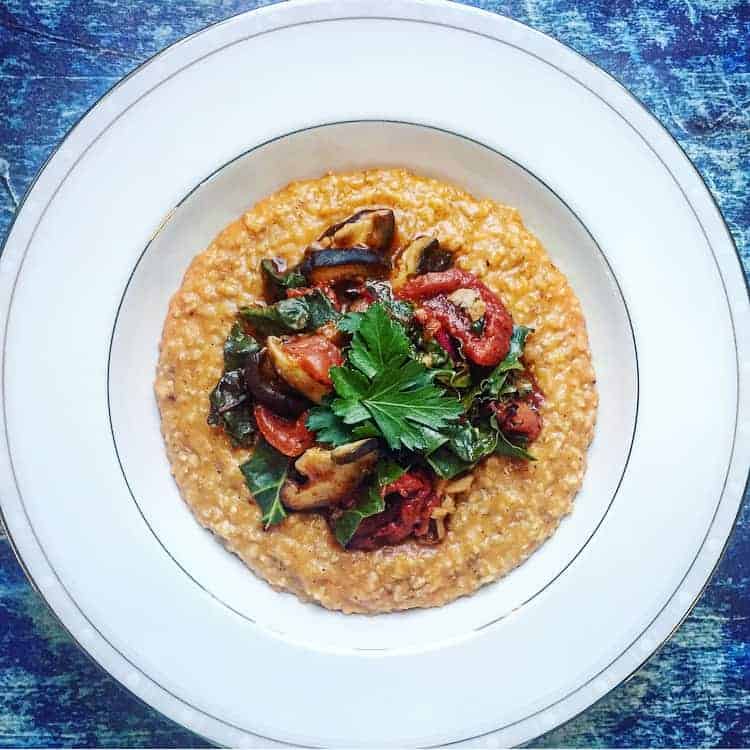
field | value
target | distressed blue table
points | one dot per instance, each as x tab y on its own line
687	60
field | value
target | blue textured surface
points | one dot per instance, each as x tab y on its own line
687	60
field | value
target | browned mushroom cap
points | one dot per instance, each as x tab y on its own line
265	392
434	258
371	227
291	371
408	260
344	264
332	475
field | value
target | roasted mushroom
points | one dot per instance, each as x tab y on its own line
291	371
331	475
371	227
265	391
435	258
344	264
409	259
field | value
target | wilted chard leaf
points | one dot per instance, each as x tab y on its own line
237	347
264	474
294	315
230	408
348	523
229	393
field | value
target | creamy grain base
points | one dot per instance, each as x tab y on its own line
512	507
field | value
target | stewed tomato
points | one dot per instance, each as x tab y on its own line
289	436
316	355
431	289
407	513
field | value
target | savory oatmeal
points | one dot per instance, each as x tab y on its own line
377	390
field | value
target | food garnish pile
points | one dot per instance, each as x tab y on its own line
370	384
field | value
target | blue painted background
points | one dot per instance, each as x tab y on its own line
687	60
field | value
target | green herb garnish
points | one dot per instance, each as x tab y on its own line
381	384
328	427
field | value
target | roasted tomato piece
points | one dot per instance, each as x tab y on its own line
289	436
432	290
519	418
410	501
316	355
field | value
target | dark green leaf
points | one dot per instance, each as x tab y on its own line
350	322
287	316
366	429
397	394
239	425
431	440
388	471
237	346
470	443
350	410
328	428
349	383
349	521
506	448
379	343
447	464
320	310
264	474
294	315
228	393
401	400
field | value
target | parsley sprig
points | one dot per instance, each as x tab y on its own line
382	389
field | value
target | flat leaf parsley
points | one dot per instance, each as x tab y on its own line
381	385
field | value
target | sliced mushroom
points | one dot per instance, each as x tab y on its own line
264	391
434	259
331	475
344	264
351	452
371	227
407	263
291	371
